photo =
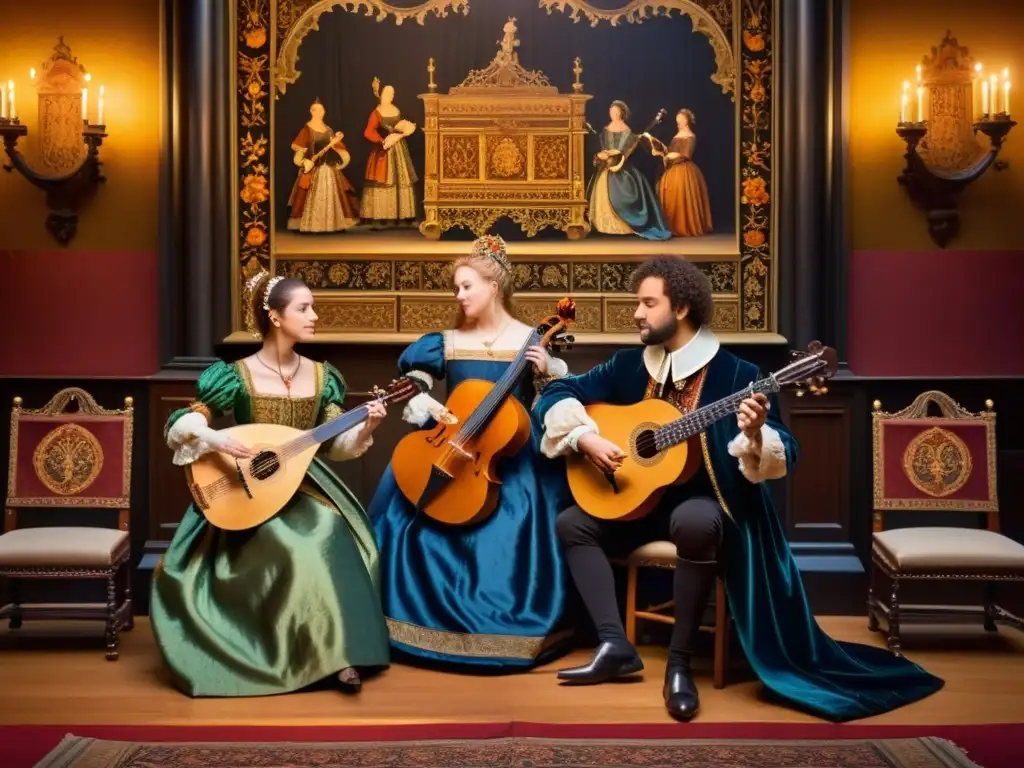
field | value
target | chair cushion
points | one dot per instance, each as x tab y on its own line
659	554
62	546
949	549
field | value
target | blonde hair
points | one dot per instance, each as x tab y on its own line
490	260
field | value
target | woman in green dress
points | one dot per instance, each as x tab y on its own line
294	601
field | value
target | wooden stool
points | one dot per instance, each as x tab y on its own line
662	554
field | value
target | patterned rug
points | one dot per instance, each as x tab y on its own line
927	752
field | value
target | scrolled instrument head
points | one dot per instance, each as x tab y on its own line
552	329
810	368
399	390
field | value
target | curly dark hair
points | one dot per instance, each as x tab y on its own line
685	285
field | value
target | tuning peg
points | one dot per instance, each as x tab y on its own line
800	393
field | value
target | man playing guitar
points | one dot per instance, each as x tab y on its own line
724	511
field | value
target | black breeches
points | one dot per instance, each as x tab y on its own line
694	526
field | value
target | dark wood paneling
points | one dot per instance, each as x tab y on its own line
818	490
169	495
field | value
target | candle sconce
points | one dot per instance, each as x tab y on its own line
943	155
70	168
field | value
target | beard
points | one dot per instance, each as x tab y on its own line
661	333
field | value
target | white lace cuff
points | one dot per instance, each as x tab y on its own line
760	462
349	445
557	368
188	437
420	409
564	424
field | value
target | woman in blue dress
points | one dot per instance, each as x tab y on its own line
487	596
621	201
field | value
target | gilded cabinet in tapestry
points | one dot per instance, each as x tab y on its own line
505	143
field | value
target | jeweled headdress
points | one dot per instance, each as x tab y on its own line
493	247
250	286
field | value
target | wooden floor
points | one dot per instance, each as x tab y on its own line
49	678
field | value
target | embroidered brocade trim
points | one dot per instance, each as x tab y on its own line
198	407
470	645
685	395
297	412
332	411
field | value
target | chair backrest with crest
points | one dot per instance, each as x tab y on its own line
63	458
929	462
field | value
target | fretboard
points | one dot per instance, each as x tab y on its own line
699	420
485	411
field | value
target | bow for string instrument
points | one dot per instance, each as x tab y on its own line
235	494
451	475
663	448
617	158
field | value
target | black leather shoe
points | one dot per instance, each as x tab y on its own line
610	660
680	693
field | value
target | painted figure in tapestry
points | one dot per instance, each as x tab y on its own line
721	521
389	195
621	201
295	600
322	199
489	595
682	191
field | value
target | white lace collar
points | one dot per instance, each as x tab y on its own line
686	360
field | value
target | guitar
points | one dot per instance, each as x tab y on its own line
662	448
236	494
617	158
310	162
450	475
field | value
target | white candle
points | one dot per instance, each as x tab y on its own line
919	73
12	111
975	88
32	73
920	104
903	109
1006	98
984	98
993	94
3	102
85	102
99	108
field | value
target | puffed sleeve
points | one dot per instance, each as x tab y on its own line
423	360
188	431
771	457
349	444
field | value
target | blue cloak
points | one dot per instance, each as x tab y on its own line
787	649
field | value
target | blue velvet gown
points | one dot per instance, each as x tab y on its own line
488	596
622	202
787	649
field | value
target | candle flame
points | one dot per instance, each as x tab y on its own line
88	77
32	74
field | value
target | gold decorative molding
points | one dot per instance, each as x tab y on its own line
68	460
937	462
710	18
351	314
297	18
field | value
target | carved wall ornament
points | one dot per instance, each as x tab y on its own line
937	462
297	18
67	163
943	155
68	460
711	18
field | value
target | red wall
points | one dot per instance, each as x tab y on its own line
89	309
78	313
936	313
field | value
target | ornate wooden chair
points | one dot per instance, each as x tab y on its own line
79	459
662	554
932	463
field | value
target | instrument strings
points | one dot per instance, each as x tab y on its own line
496	396
676	431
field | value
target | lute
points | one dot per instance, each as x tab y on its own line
235	494
449	474
658	442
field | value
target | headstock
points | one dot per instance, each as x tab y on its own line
399	390
552	329
811	368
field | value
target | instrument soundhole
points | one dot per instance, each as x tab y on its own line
646	445
264	465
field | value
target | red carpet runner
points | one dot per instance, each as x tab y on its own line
991	746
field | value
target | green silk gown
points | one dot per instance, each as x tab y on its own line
275	608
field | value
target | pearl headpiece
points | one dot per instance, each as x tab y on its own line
250	286
492	247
